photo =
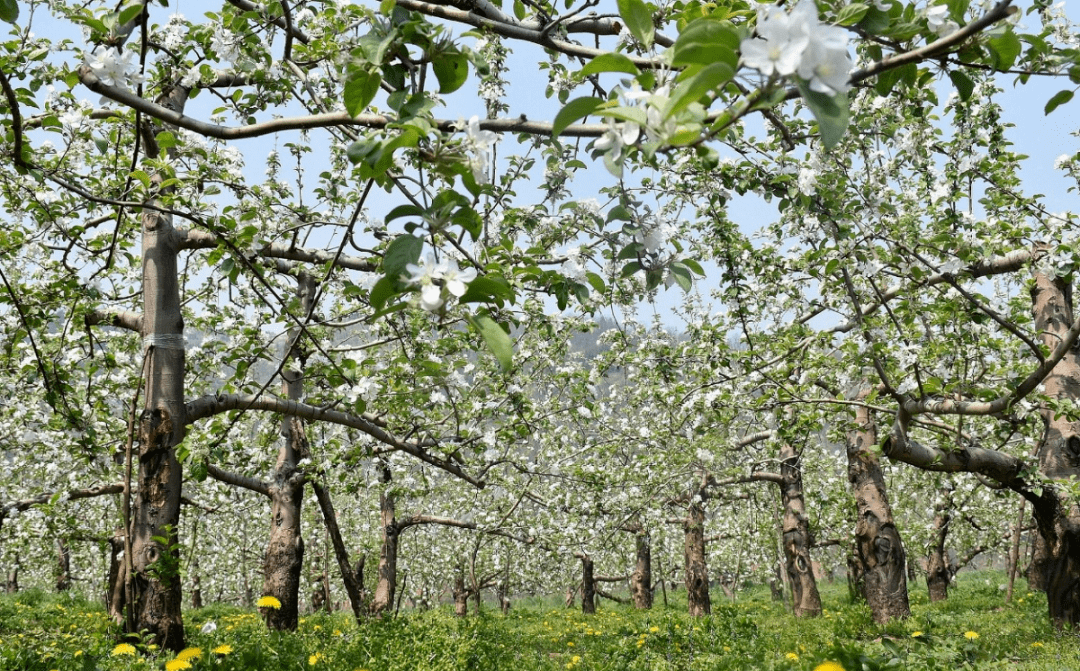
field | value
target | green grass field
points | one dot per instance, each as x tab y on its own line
974	629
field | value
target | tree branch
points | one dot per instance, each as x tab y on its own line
214	405
237	480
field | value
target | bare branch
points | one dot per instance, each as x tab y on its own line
125	319
237	480
213	405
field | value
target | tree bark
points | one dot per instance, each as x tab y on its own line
284	561
1014	549
806	601
937	569
1057	516
461	595
156	593
353	579
384	589
641	578
588	586
63	560
879	552
697	572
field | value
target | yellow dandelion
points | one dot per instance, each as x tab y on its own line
971	635
314	659
829	666
222	649
654	629
188	654
569	644
268	602
792	656
122	649
916	634
1037	644
177	665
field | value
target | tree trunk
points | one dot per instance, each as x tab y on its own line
63	560
878	548
588	586
1014	549
12	584
806	601
697	572
641	578
284	561
156	594
461	595
571	597
1037	565
353	579
384	590
937	569
1057	516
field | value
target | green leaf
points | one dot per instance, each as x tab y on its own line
498	340
129	13
629	269
1006	48
638	20
875	21
887	80
690	91
610	62
381	293
963	84
852	14
9	10
488	289
831	112
360	90
694	266
404	211
706	41
1060	98
597	282
404	249
451	69
578	108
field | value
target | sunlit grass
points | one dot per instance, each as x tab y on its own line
974	629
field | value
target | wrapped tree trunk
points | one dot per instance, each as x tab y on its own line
1057	515
284	560
588	586
806	601
387	584
879	552
155	599
641	578
697	572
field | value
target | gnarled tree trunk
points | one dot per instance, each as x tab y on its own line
879	552
806	601
1057	516
63	561
387	584
937	568
697	571
284	560
641	578
461	595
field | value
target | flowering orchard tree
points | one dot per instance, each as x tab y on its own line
174	180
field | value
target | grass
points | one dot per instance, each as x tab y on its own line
974	629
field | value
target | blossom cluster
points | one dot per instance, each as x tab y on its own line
478	143
112	67
436	280
797	43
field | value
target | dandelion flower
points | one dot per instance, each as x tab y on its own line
314	659
829	666
188	654
268	602
222	649
654	629
177	665
123	649
1037	644
916	634
971	635
792	656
